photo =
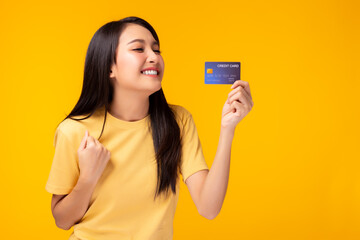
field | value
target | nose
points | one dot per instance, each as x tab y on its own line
152	56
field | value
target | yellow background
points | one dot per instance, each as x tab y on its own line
294	167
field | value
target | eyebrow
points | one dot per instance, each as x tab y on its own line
142	41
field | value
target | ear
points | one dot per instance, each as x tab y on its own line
112	74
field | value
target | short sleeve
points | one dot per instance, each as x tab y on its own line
64	171
192	155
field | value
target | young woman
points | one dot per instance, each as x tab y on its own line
124	183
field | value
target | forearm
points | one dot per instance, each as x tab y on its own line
214	189
73	207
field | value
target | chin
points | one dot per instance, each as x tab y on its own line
158	88
157	84
154	89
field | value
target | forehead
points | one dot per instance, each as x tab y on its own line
135	31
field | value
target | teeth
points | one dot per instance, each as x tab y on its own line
150	72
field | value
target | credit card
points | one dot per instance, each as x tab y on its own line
222	72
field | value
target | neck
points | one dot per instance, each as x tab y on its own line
129	106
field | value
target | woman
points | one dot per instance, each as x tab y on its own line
124	184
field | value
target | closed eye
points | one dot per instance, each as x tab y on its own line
141	49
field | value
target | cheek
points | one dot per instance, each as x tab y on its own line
128	61
161	60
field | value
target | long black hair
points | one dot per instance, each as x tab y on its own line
97	92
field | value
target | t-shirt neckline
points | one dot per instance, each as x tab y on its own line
127	124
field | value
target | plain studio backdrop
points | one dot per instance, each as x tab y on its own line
295	161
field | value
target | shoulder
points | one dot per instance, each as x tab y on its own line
69	130
74	130
183	117
180	112
70	127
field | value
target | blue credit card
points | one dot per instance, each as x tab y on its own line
222	72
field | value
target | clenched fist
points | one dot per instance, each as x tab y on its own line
93	158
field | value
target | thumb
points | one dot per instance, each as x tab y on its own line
83	141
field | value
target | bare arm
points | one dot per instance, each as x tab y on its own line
93	158
71	208
208	188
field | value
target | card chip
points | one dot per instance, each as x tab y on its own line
209	70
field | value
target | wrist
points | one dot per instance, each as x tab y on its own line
228	131
227	135
88	181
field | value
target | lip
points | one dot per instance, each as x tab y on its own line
151	68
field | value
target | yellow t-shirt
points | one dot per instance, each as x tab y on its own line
122	205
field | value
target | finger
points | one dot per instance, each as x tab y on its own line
236	90
83	141
90	141
249	99
244	84
98	144
239	98
232	107
237	106
242	96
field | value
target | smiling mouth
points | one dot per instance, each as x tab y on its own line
150	72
